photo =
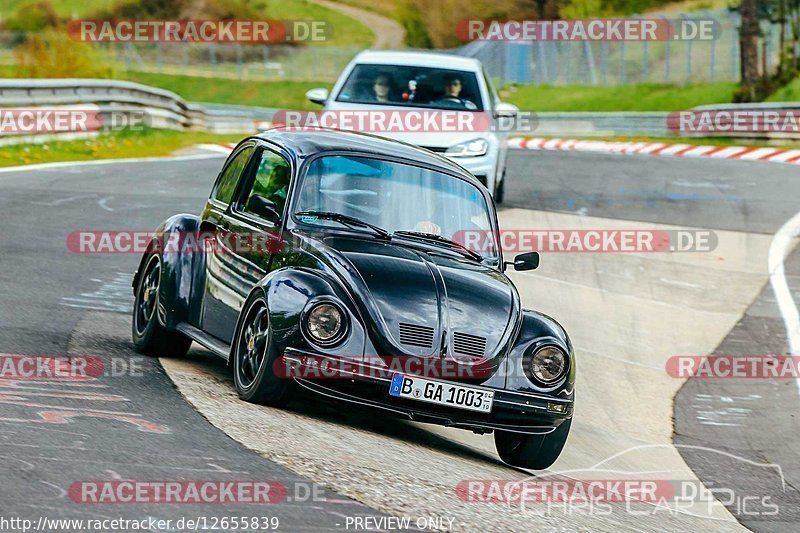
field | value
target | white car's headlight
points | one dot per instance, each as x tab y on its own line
325	323
548	364
471	148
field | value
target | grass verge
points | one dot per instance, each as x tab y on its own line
281	94
642	97
118	145
787	93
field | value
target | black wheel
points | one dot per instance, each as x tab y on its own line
254	357
149	336
500	190
536	452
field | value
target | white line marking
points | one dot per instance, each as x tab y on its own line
62	164
221	148
778	250
103	202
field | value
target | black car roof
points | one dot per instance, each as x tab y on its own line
305	142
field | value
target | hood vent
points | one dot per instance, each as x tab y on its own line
469	346
413	335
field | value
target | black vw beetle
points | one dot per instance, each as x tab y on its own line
363	291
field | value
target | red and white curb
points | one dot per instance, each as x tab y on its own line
745	153
224	148
748	153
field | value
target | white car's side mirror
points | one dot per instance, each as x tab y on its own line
505	110
318	95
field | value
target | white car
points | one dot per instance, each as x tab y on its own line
403	81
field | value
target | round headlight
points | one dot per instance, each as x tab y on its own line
548	364
325	323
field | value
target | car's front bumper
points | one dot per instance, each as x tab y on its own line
511	411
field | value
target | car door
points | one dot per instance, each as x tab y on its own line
253	229
220	303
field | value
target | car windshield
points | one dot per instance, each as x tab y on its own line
397	197
412	87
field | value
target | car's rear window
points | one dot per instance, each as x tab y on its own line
412	87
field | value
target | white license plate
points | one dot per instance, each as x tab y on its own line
441	393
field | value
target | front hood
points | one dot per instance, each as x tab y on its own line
426	304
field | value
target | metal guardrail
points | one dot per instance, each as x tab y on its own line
600	124
165	109
661	124
119	99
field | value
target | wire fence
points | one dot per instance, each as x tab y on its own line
626	62
265	62
553	63
235	61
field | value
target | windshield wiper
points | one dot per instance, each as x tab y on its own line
444	240
347	220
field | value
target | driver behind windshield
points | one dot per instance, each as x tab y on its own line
382	88
452	90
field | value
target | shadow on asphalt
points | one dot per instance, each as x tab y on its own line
358	417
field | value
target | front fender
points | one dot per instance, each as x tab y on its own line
538	328
178	281
288	292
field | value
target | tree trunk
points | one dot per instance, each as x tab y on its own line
748	50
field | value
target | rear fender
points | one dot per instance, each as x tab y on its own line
180	289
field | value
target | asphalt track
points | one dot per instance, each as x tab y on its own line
138	426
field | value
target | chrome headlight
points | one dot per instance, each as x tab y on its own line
324	323
547	365
473	148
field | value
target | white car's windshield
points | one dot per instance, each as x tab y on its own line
395	197
410	86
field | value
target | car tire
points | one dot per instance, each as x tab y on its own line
149	336
254	355
500	190
536	452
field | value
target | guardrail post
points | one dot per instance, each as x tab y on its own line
545	77
645	62
239	65
568	63
587	51
712	60
735	47
185	55
604	61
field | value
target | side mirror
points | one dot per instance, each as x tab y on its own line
264	208
505	110
529	261
318	95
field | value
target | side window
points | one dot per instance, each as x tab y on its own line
226	186
271	181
